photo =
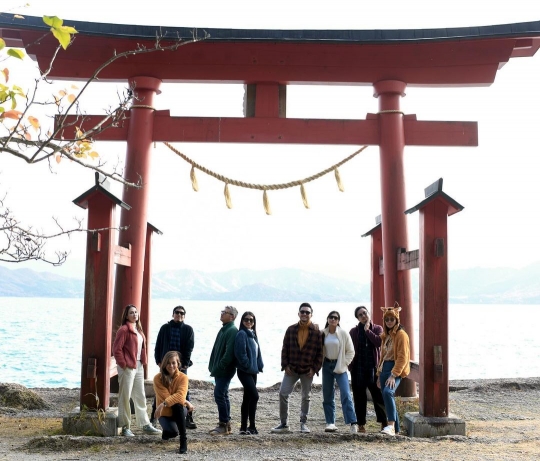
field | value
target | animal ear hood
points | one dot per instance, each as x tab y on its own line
392	311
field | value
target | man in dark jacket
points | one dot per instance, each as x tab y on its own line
301	359
222	366
366	338
176	335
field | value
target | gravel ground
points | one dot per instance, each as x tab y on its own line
501	416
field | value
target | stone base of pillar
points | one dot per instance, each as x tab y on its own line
86	422
430	426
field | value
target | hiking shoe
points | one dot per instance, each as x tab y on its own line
328	428
220	429
304	429
126	432
280	428
389	430
252	431
354	428
362	429
151	430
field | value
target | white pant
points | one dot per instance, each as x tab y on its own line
131	385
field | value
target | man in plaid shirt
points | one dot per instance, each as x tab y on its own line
301	359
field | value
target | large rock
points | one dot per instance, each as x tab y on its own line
16	396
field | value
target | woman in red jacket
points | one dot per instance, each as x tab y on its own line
129	350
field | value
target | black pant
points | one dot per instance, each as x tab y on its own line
249	402
175	424
359	383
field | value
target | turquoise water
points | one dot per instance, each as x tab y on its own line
40	338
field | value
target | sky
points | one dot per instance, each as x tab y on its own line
495	182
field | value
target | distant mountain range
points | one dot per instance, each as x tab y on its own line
467	286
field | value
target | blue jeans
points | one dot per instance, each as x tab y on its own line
328	389
221	397
388	394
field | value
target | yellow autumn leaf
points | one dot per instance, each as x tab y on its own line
2	43
6	74
53	21
34	122
62	36
14	53
27	136
58	158
71	98
62	93
75	87
14	114
93	154
78	133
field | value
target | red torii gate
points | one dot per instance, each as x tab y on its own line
266	61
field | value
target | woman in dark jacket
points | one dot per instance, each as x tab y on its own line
249	363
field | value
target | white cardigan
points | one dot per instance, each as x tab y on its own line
346	349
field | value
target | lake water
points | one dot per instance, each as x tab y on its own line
40	338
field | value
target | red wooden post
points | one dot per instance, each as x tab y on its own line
377	278
434	211
146	288
397	284
129	280
97	326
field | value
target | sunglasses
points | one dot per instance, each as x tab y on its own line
305	313
249	319
333	317
179	313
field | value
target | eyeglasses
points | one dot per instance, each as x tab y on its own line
249	319
179	313
333	317
305	313
362	314
390	319
226	312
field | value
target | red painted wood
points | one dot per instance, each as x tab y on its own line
146	293
397	284
433	309
377	280
267	100
97	324
467	61
129	279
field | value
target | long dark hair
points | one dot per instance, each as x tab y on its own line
242	327
138	324
338	316
166	377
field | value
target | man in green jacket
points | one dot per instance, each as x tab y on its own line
222	367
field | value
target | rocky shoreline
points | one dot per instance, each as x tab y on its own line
501	417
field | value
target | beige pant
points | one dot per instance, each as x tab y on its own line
131	385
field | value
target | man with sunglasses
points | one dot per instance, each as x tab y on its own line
301	359
177	336
366	338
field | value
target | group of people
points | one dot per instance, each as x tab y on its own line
377	358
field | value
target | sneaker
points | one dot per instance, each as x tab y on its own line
362	429
151	430
246	432
389	430
280	428
252	431
220	429
354	428
304	429
329	428
126	432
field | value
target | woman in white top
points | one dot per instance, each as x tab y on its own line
338	352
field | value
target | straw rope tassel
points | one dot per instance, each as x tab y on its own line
228	200
194	182
338	180
266	203
304	196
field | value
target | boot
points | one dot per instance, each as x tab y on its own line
190	424
220	429
183	445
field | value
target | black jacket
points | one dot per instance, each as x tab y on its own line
187	341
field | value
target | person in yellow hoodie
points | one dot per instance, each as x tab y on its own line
393	365
171	386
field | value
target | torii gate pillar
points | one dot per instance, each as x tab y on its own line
397	284
129	280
